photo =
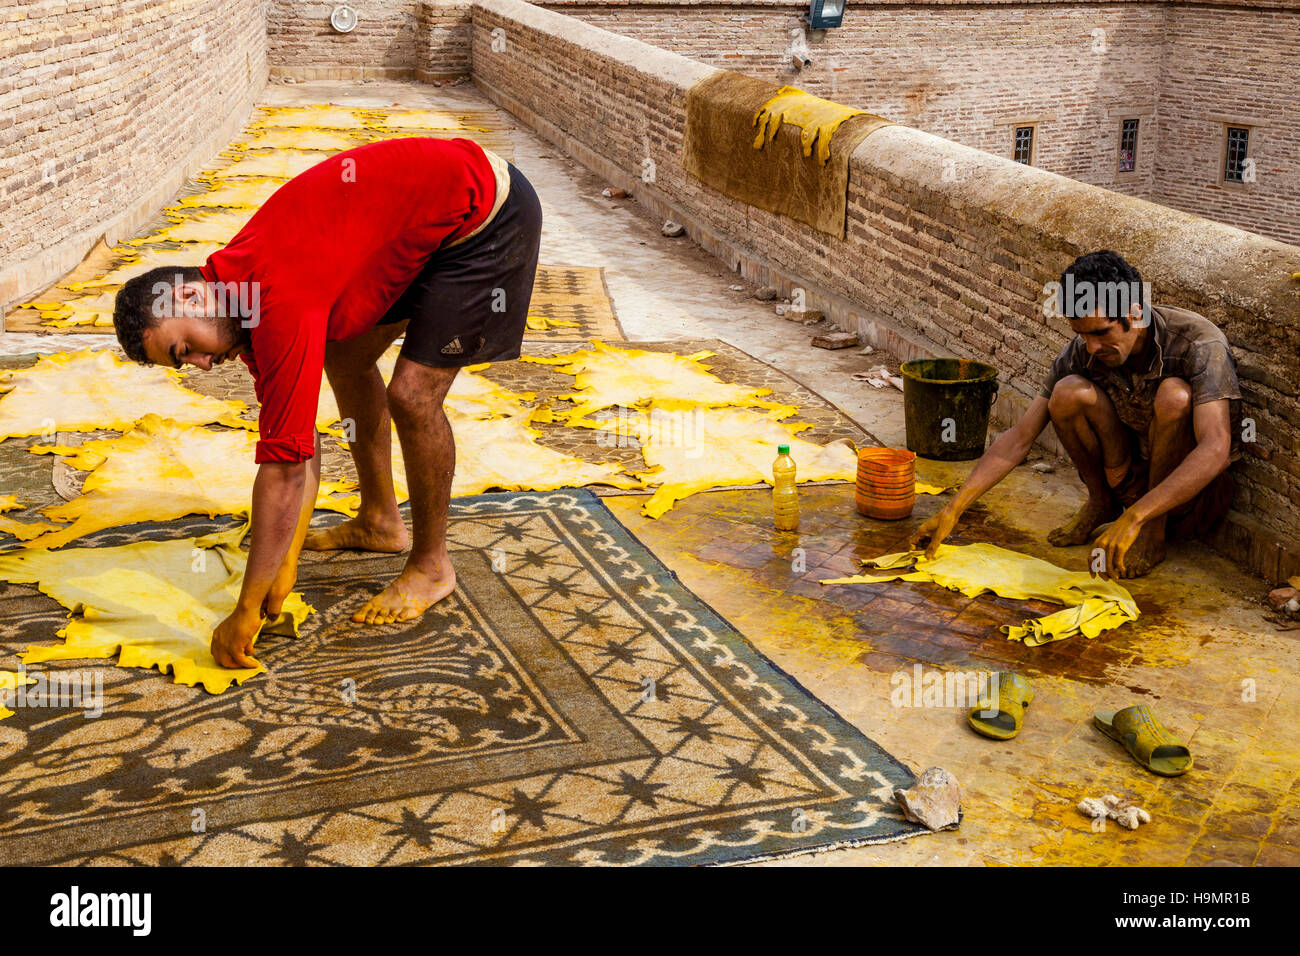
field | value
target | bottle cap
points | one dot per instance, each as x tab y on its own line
783	449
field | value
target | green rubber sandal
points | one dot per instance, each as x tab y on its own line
1146	739
1013	696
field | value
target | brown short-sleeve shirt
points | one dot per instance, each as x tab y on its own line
1187	346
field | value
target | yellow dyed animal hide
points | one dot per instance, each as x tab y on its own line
471	395
701	448
314	116
438	119
498	454
88	390
138	262
305	139
246	192
540	323
93	309
160	471
924	488
817	119
608	376
218	226
21	530
152	604
284	164
9	681
1092	604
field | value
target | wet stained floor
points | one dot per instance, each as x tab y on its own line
1207	664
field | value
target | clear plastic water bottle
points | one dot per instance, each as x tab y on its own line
785	492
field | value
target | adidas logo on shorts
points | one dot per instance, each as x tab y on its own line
453	347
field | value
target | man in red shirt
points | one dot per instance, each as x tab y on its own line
432	239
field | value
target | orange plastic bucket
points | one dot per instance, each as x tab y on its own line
886	485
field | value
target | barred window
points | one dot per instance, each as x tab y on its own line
1024	145
1234	157
1128	145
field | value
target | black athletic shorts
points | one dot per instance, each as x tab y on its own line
469	303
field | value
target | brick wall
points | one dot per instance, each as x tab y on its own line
105	108
302	43
1222	67
970	71
967	73
948	247
443	52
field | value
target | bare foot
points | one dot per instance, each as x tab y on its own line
1146	551
1079	529
361	535
412	593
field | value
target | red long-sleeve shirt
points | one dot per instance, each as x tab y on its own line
330	251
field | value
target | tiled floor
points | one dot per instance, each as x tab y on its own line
1202	655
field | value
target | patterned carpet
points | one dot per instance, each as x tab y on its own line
571	704
575	294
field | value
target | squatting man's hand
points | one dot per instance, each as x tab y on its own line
934	529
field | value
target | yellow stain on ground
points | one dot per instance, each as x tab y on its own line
150	604
1092	604
701	448
607	376
88	390
817	119
812	631
1164	646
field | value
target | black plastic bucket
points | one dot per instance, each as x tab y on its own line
947	403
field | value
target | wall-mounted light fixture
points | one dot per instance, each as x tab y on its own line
824	14
344	19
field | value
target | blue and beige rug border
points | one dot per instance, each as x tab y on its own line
892	825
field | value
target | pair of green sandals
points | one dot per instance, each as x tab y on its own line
1136	728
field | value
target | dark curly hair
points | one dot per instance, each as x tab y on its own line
1098	271
140	304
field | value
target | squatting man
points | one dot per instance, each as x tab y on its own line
1146	402
434	240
